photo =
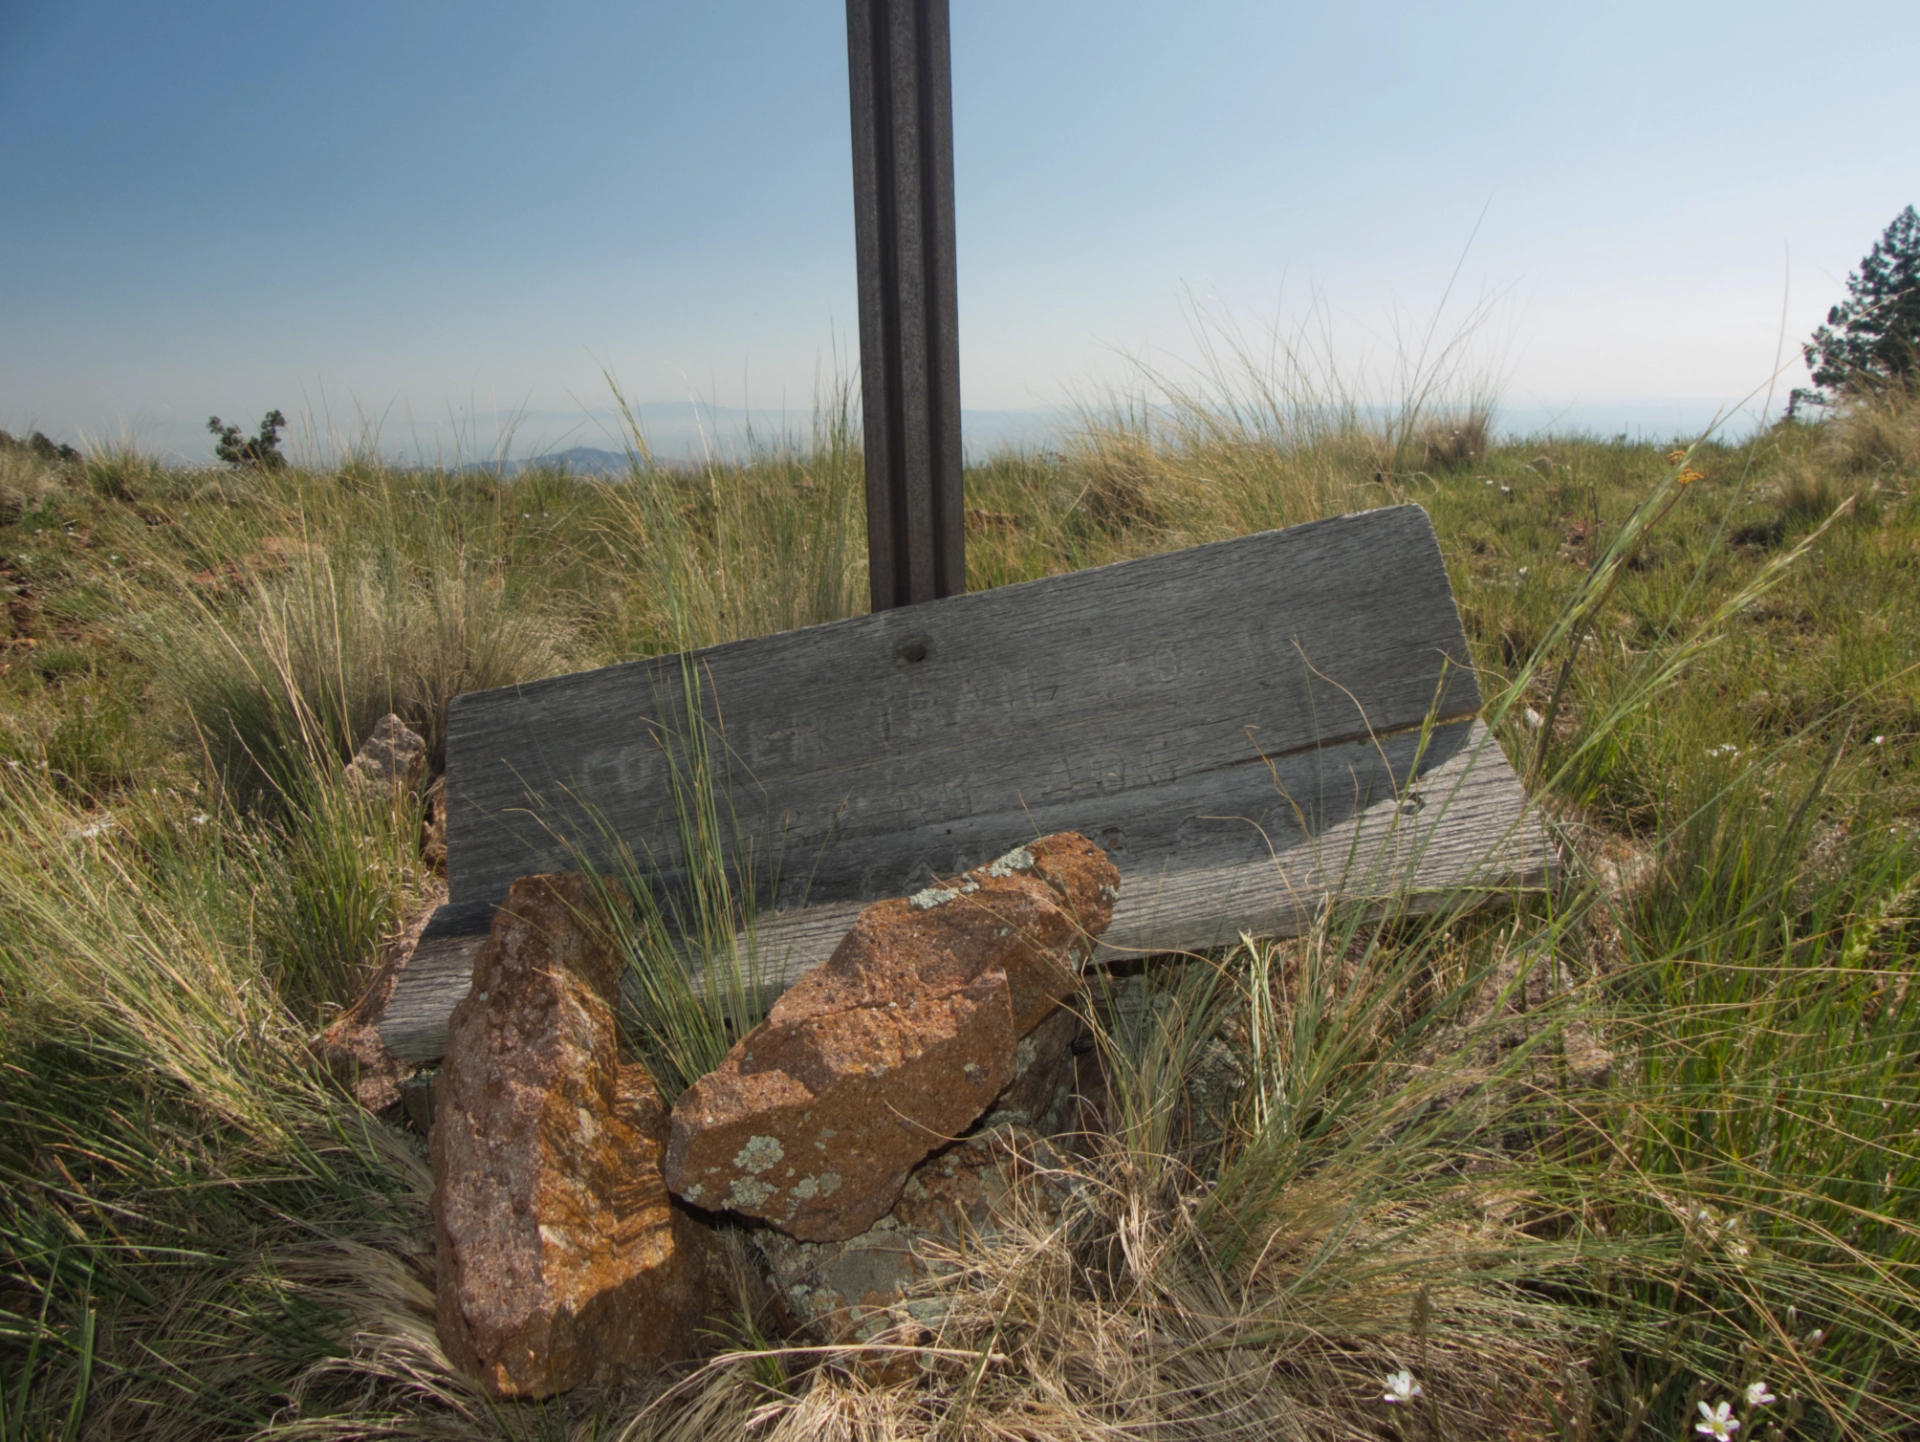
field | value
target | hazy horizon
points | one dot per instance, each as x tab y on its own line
683	431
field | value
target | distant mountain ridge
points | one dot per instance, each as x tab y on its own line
576	461
680	437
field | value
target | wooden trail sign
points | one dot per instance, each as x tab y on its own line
1248	727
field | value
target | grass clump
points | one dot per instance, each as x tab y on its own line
734	551
1880	432
191	1213
316	653
688	923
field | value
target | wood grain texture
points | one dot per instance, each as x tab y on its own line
1237	724
1454	828
1034	707
414	1025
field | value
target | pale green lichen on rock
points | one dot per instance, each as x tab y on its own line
749	1192
758	1154
933	896
1018	859
824	1185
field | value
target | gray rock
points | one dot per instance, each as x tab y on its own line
391	760
876	1282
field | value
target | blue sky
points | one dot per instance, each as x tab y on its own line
427	215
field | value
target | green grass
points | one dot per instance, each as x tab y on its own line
1717	702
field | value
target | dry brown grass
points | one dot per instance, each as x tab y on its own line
1444	442
25	479
1114	1321
1880	431
318	652
1268	431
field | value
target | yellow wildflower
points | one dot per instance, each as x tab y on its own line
1675	457
1687	478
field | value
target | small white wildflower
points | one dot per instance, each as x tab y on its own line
1879	741
199	818
13	765
1506	490
1401	1387
1816	1336
1726	748
1522	572
1719	1422
1758	1395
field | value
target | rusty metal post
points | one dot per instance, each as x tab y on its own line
900	75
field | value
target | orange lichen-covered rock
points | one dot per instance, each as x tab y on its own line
893	1046
561	1257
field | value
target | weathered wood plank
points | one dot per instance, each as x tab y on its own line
1461	828
1237	724
414	1024
872	772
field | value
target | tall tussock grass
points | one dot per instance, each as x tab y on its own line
25	480
729	551
1869	447
190	1206
1269	431
1570	1165
688	927
316	654
1879	430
